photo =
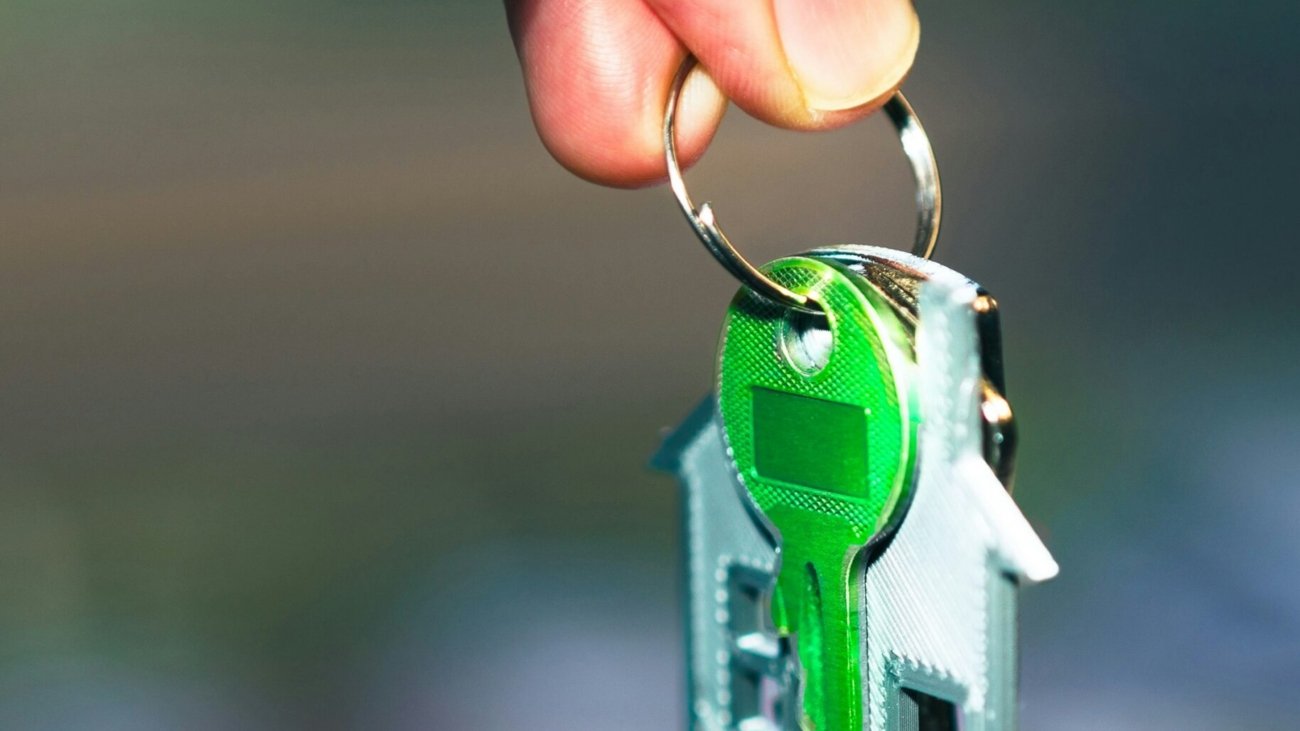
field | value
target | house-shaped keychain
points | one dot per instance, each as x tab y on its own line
938	603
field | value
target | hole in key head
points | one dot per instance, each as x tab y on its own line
805	340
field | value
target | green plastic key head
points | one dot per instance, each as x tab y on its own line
818	412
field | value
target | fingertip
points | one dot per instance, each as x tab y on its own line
800	64
821	120
700	109
598	77
846	53
629	153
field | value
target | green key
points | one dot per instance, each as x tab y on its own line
819	415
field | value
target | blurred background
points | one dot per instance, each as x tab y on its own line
326	397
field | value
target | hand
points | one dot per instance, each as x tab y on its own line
598	71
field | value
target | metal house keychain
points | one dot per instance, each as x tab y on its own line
852	549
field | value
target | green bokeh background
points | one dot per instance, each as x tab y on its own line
325	396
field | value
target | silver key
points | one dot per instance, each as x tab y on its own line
938	596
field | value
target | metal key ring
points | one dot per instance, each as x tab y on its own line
916	145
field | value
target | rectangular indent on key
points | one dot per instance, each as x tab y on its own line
809	441
920	711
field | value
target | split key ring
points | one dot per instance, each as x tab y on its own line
916	145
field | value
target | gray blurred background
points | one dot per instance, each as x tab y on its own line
326	397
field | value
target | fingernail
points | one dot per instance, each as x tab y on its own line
701	98
844	53
701	108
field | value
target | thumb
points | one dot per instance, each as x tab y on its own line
846	53
805	64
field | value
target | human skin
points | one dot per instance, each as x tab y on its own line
598	71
